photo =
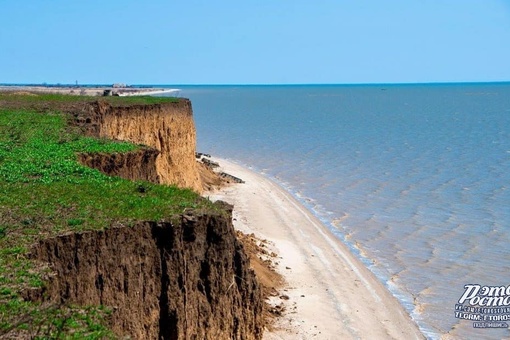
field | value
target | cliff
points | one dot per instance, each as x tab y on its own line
180	276
189	279
184	280
167	127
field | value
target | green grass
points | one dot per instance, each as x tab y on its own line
56	322
46	154
56	98
45	191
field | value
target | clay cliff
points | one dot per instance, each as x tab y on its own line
186	279
189	279
167	127
183	277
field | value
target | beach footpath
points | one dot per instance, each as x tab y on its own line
328	293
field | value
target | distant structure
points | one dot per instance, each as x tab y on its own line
119	86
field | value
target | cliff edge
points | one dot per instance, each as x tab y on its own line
167	127
163	262
186	279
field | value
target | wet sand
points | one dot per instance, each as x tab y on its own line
331	294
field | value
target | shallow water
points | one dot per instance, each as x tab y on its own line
414	178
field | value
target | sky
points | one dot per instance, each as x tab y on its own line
254	41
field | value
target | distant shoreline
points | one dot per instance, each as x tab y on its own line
111	90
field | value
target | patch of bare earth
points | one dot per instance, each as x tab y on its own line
263	262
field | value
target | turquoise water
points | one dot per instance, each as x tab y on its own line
414	178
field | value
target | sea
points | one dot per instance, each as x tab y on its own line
413	178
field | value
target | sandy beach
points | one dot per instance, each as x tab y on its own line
90	91
331	294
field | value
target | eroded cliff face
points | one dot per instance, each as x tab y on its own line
168	127
189	279
137	165
186	277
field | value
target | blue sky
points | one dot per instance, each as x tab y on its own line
254	41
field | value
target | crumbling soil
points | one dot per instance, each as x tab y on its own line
264	263
189	279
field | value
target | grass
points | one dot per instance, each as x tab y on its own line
44	191
57	322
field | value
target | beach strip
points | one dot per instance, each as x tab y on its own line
91	91
329	293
